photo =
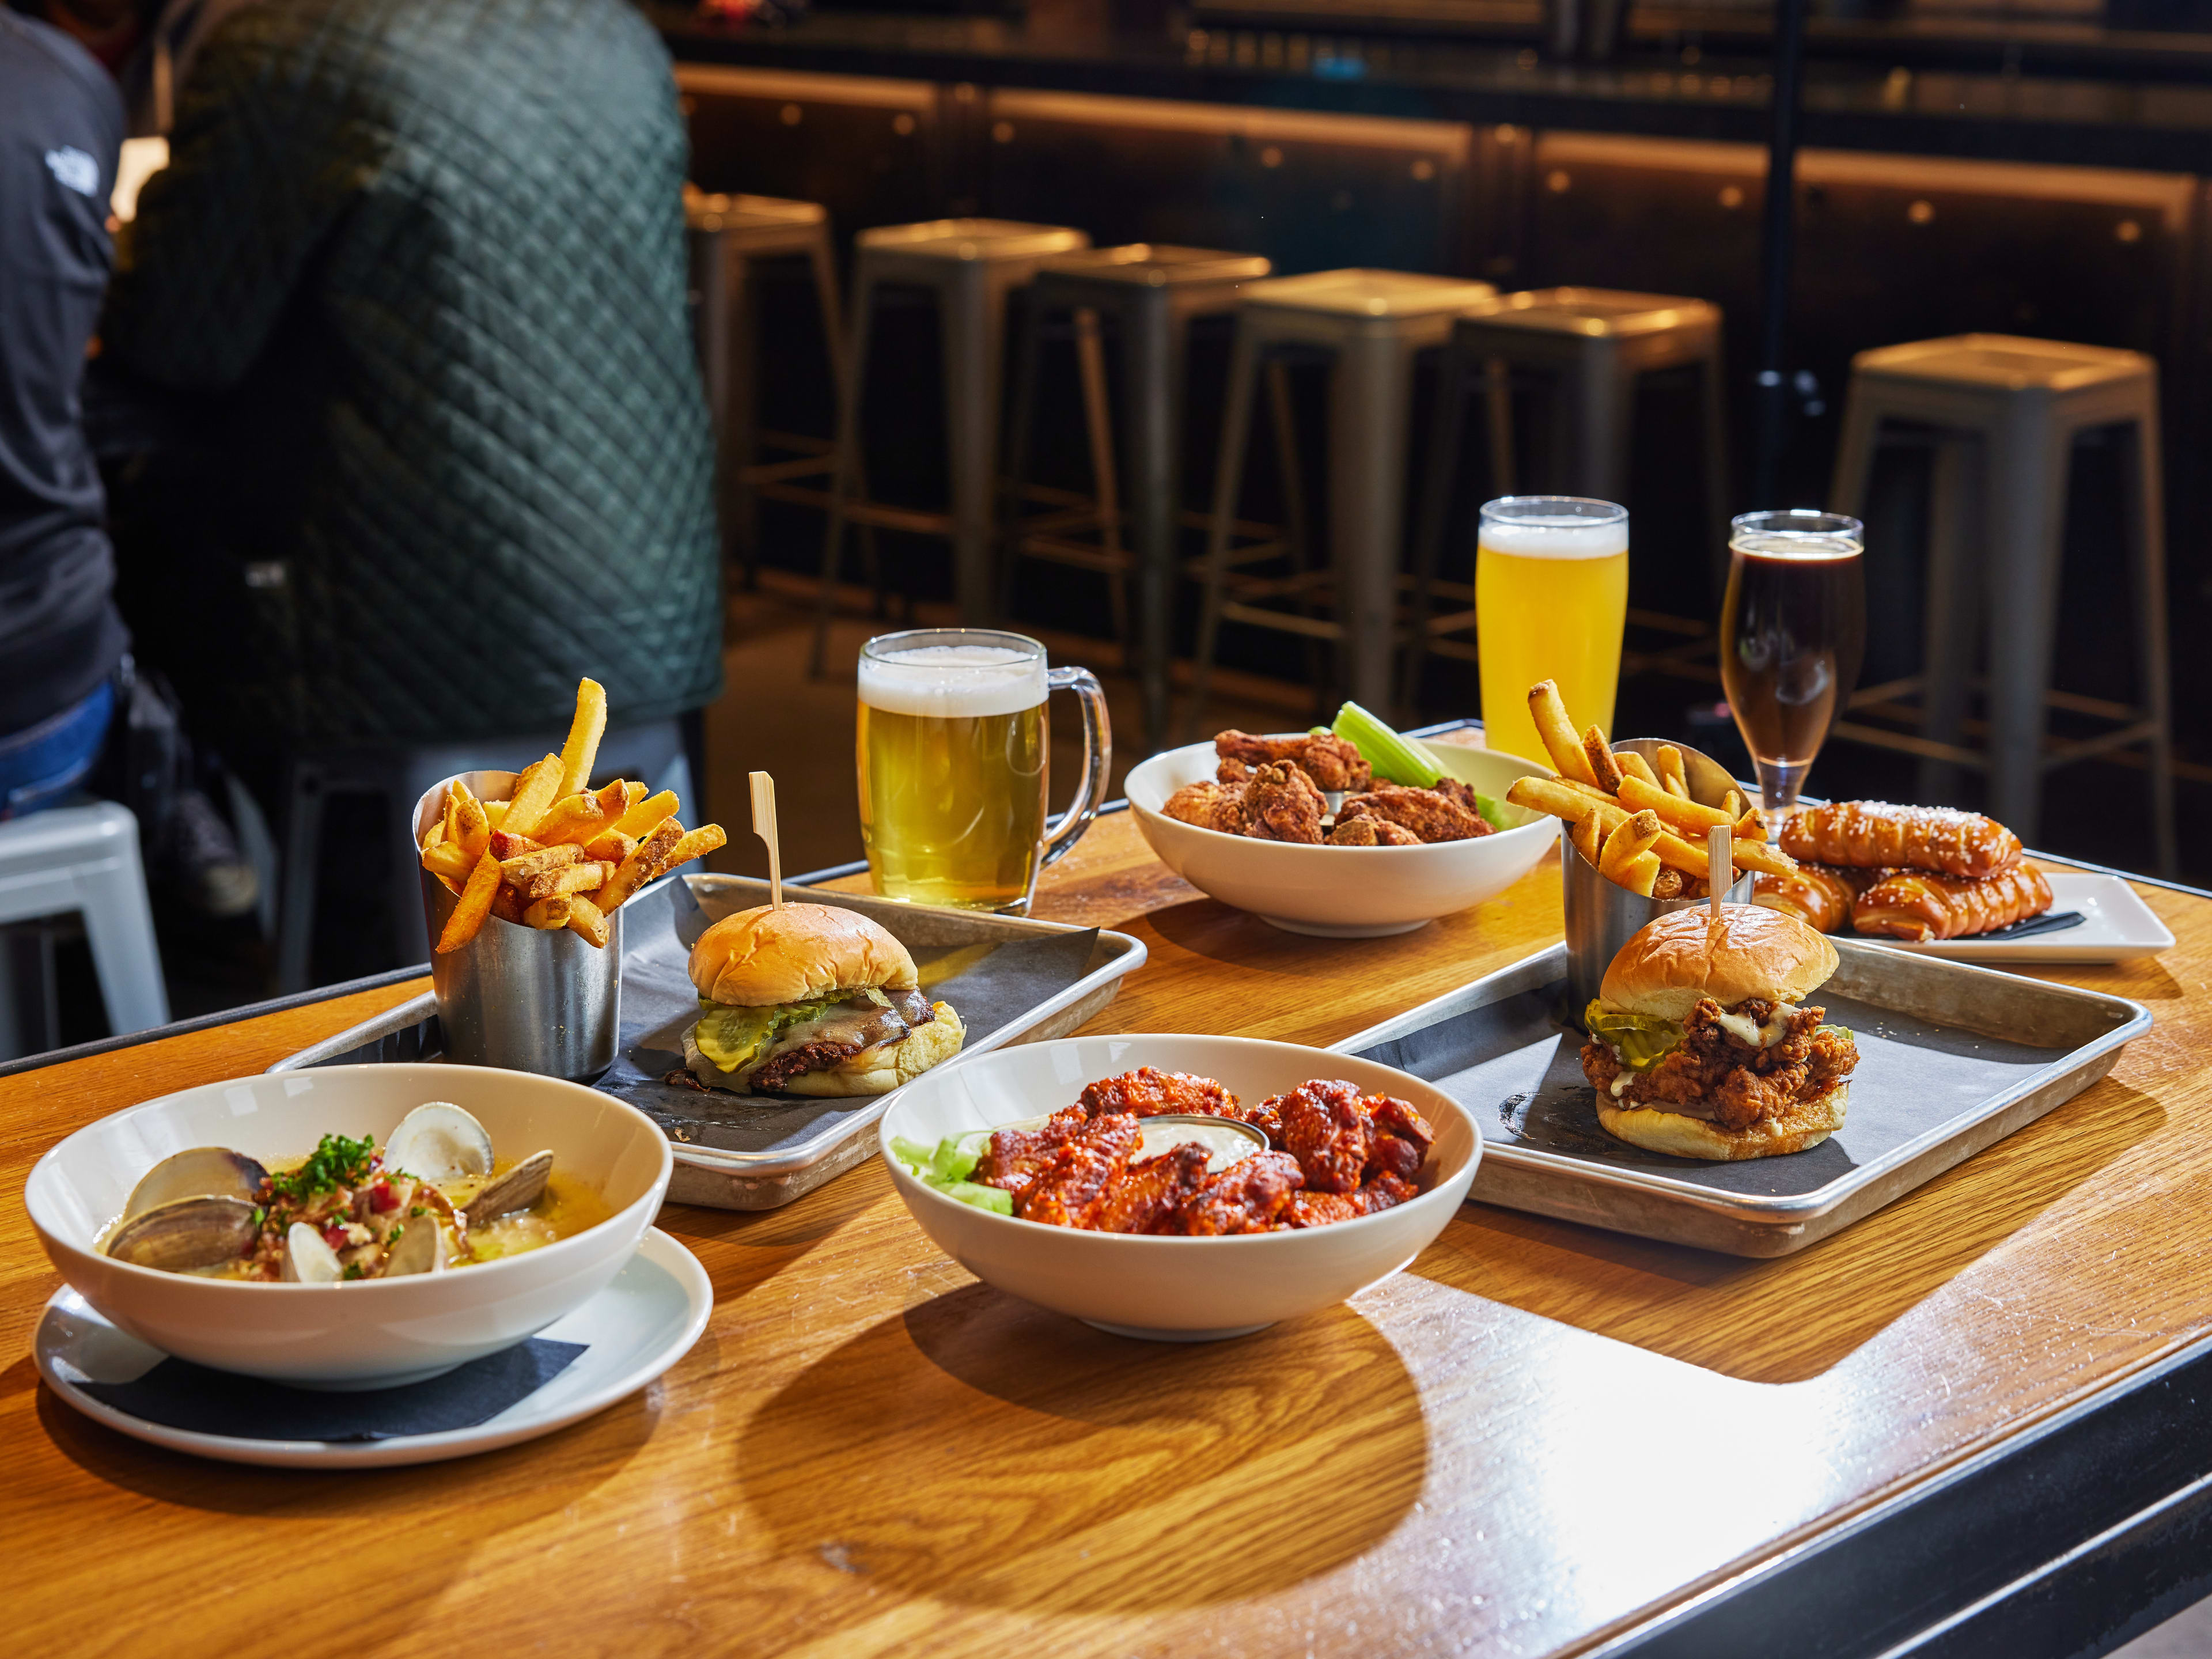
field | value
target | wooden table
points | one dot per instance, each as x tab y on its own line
1539	1439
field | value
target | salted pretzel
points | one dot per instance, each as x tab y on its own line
1816	894
1870	835
1918	904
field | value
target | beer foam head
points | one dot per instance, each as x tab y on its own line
1555	536
953	681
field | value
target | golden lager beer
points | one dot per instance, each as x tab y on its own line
952	753
1551	599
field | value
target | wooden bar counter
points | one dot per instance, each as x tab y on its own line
1964	1425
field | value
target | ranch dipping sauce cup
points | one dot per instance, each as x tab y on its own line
527	999
1602	915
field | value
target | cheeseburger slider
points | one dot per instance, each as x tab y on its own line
810	999
1699	1046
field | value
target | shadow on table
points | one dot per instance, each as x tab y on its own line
743	1248
385	1574
980	1450
1789	1319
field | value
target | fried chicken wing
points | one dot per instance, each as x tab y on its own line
1146	1092
1015	1157
1367	830
1384	1192
1232	771
1209	806
1402	1139
1327	1128
1068	1188
1429	814
1146	1197
1282	804
1327	759
1252	1195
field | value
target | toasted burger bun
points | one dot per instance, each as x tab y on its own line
1672	962
1805	1125
876	1070
759	957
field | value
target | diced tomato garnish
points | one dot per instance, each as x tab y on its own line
381	1197
335	1237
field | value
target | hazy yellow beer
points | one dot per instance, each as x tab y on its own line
1551	599
952	753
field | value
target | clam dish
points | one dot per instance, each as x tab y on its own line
434	1197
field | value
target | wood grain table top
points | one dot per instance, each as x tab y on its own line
1537	1437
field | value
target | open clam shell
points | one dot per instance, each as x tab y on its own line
518	1189
199	1171
420	1249
204	1231
439	1142
308	1259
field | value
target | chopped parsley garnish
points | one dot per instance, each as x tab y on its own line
393	1237
337	1163
353	1270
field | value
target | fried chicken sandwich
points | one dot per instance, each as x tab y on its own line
1700	1044
811	999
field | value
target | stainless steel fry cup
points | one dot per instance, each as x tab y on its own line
1602	916
527	999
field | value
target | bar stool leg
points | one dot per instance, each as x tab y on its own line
1029	346
1153	365
1855	449
2028	468
1098	429
1228	487
1720	495
1957	543
1498	402
1368	393
1446	432
743	403
1604	400
846	463
2144	485
1289	473
972	305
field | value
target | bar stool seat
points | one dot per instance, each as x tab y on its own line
2006	412
969	266
1591	345
1152	293
84	859
1371	325
727	235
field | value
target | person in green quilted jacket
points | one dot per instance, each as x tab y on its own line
429	255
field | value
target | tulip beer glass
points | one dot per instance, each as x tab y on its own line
1793	630
1551	599
952	752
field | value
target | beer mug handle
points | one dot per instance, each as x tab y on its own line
1097	759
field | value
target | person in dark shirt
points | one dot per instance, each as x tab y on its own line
61	639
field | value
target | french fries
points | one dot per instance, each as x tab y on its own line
1557	733
1633	820
557	854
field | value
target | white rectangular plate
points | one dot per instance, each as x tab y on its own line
2116	924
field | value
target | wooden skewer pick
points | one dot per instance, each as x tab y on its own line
764	827
1718	854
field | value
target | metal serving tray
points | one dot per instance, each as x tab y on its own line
1952	1058
735	1152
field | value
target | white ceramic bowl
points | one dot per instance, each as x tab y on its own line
350	1336
1188	1289
1342	892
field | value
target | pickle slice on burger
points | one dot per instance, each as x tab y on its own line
811	999
1701	1044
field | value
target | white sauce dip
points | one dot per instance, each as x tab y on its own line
1739	1027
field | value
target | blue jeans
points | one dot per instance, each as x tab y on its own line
40	766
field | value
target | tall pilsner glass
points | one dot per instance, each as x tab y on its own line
1550	598
1793	631
953	751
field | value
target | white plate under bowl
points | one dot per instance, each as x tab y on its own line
2115	926
383	1332
1340	892
1182	1290
644	1322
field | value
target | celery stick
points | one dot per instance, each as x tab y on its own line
1502	814
994	1199
955	1159
912	1153
1395	759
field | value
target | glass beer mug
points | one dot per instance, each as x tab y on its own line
953	748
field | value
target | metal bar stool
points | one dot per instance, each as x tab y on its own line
1591	345
971	266
2007	411
1371	325
727	235
1152	294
